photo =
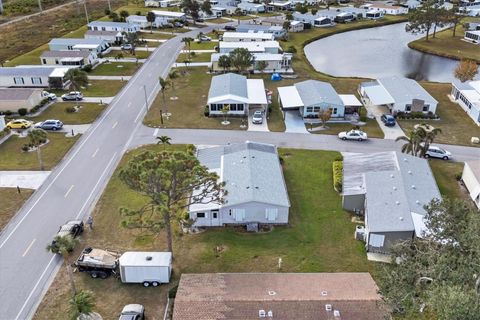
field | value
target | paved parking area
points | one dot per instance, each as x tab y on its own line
294	122
389	132
257	127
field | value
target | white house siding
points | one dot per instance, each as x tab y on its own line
242	214
24	81
312	110
472	110
472	184
216	107
14	105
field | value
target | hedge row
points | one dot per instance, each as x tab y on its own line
338	175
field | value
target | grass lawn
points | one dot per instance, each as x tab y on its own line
318	239
187	111
11	202
98	88
87	113
195	57
457	127
13	158
218	20
445	174
158	36
444	44
206	45
32	57
267	14
115	69
372	128
127	54
79	33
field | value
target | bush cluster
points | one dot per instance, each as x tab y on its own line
338	175
70	110
38	106
26	147
416	115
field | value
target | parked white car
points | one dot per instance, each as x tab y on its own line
353	135
257	117
49	96
437	152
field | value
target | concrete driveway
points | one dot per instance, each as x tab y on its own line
23	179
389	132
257	127
294	122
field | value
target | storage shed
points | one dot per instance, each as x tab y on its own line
146	267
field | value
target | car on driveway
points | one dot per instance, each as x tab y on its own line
49	96
358	135
437	152
388	120
50	125
257	117
19	124
133	312
72	96
126	46
204	38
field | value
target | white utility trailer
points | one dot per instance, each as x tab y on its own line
148	268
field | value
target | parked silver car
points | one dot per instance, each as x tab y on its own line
257	117
437	152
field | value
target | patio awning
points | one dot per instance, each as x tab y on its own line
289	97
378	95
349	100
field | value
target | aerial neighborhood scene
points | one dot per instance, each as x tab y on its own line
240	159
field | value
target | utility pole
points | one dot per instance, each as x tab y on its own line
1	6
85	8
109	6
39	5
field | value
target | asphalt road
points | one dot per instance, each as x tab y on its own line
26	268
146	135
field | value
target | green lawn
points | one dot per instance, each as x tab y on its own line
218	20
11	202
79	33
127	54
444	44
116	69
13	158
319	238
456	126
87	113
32	57
158	36
207	45
372	128
196	57
445	173
98	88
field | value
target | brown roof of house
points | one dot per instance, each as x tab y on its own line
65	54
102	33
17	94
286	295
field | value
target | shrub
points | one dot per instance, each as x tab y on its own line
87	68
458	176
191	149
172	293
25	147
35	109
70	110
138	13
206	111
291	49
338	175
22	111
8	113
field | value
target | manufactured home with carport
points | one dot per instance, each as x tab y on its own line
34	77
69	58
113	26
97	45
253	178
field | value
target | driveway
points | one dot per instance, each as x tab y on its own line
256	127
23	179
294	122
389	132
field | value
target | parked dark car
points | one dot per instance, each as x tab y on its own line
388	120
230	28
50	125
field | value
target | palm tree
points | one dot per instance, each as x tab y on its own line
151	19
165	140
224	62
37	137
163	87
188	42
64	246
412	144
172	76
81	304
78	78
132	38
225	110
428	134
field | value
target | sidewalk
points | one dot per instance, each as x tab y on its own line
193	64
105	100
136	48
127	60
23	179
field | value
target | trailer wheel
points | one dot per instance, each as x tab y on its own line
146	284
94	275
155	284
103	275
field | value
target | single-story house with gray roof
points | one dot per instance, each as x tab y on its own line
97	45
113	26
398	94
309	97
253	178
277	31
237	92
390	189
34	77
110	36
250	7
16	98
69	58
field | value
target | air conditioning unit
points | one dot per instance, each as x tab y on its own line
270	313
336	313
262	313
328	307
360	233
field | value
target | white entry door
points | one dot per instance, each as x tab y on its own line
215	218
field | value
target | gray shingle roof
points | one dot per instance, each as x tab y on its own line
404	89
251	170
229	83
110	24
17	94
315	92
101	33
26	71
74	41
65	53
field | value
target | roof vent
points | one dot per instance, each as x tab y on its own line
404	159
261	313
391	176
271	293
397	203
336	313
413	186
270	313
148	258
328	307
417	202
410	172
256	187
401	218
394	188
324	293
248	187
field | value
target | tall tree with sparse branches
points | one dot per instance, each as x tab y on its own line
172	76
77	77
151	19
466	70
172	181
241	59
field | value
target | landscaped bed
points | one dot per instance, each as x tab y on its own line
116	69
13	158
318	239
371	127
457	127
87	112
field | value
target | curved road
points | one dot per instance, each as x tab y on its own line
73	188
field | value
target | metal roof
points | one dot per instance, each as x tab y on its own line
17	94
377	94
315	92
65	54
228	84
136	258
256	92
102	33
111	24
258	28
404	89
251	46
289	97
27	71
75	41
252	35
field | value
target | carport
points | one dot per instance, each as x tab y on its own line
378	96
289	99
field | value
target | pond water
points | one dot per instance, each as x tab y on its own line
377	52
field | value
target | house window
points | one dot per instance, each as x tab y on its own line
240	107
200	214
316	109
426	107
69	47
408	107
18	80
309	109
44	61
233	107
56	61
334	110
214	214
36	80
